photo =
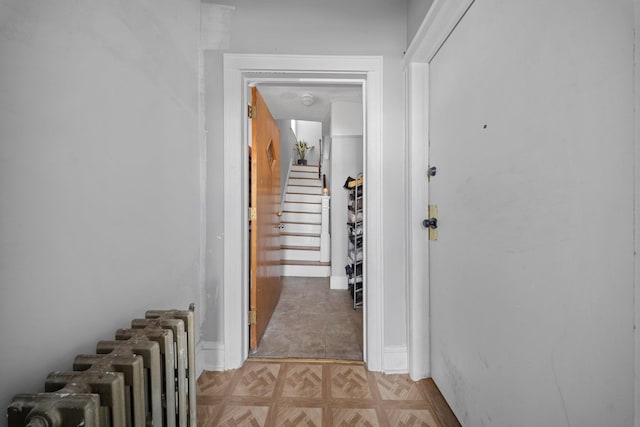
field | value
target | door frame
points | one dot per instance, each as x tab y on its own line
441	19
241	70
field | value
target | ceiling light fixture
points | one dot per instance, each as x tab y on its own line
308	100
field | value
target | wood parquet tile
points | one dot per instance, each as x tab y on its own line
349	382
397	387
257	380
352	417
303	380
317	393
243	416
292	417
410	418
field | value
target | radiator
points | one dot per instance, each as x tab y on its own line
144	377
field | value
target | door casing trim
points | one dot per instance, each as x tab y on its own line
441	20
239	69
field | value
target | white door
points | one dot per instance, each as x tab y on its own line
531	129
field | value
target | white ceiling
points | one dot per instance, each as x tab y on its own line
285	99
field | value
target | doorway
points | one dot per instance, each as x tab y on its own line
239	71
319	315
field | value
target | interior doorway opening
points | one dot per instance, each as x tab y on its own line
239	71
319	314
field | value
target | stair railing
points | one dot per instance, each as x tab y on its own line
283	195
320	155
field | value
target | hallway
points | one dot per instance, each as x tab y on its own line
312	321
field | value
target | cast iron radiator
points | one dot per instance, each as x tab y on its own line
144	377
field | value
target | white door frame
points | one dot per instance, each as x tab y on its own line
636	332
441	19
239	69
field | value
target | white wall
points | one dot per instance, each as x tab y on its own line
359	27
212	331
287	140
99	175
346	160
417	10
346	118
312	133
533	323
326	147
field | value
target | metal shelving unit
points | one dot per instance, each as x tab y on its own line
355	232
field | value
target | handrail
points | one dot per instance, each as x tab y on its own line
283	195
320	155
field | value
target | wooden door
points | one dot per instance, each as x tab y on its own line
531	276
265	222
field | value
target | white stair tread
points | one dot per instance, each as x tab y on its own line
300	212
309	263
304	203
304	194
301	222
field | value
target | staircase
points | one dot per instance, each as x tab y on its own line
302	221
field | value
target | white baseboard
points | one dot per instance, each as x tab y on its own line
395	360
339	282
209	356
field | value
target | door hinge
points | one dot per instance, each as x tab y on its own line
253	215
252	317
251	112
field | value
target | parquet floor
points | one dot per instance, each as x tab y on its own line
317	393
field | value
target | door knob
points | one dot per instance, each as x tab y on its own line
430	223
